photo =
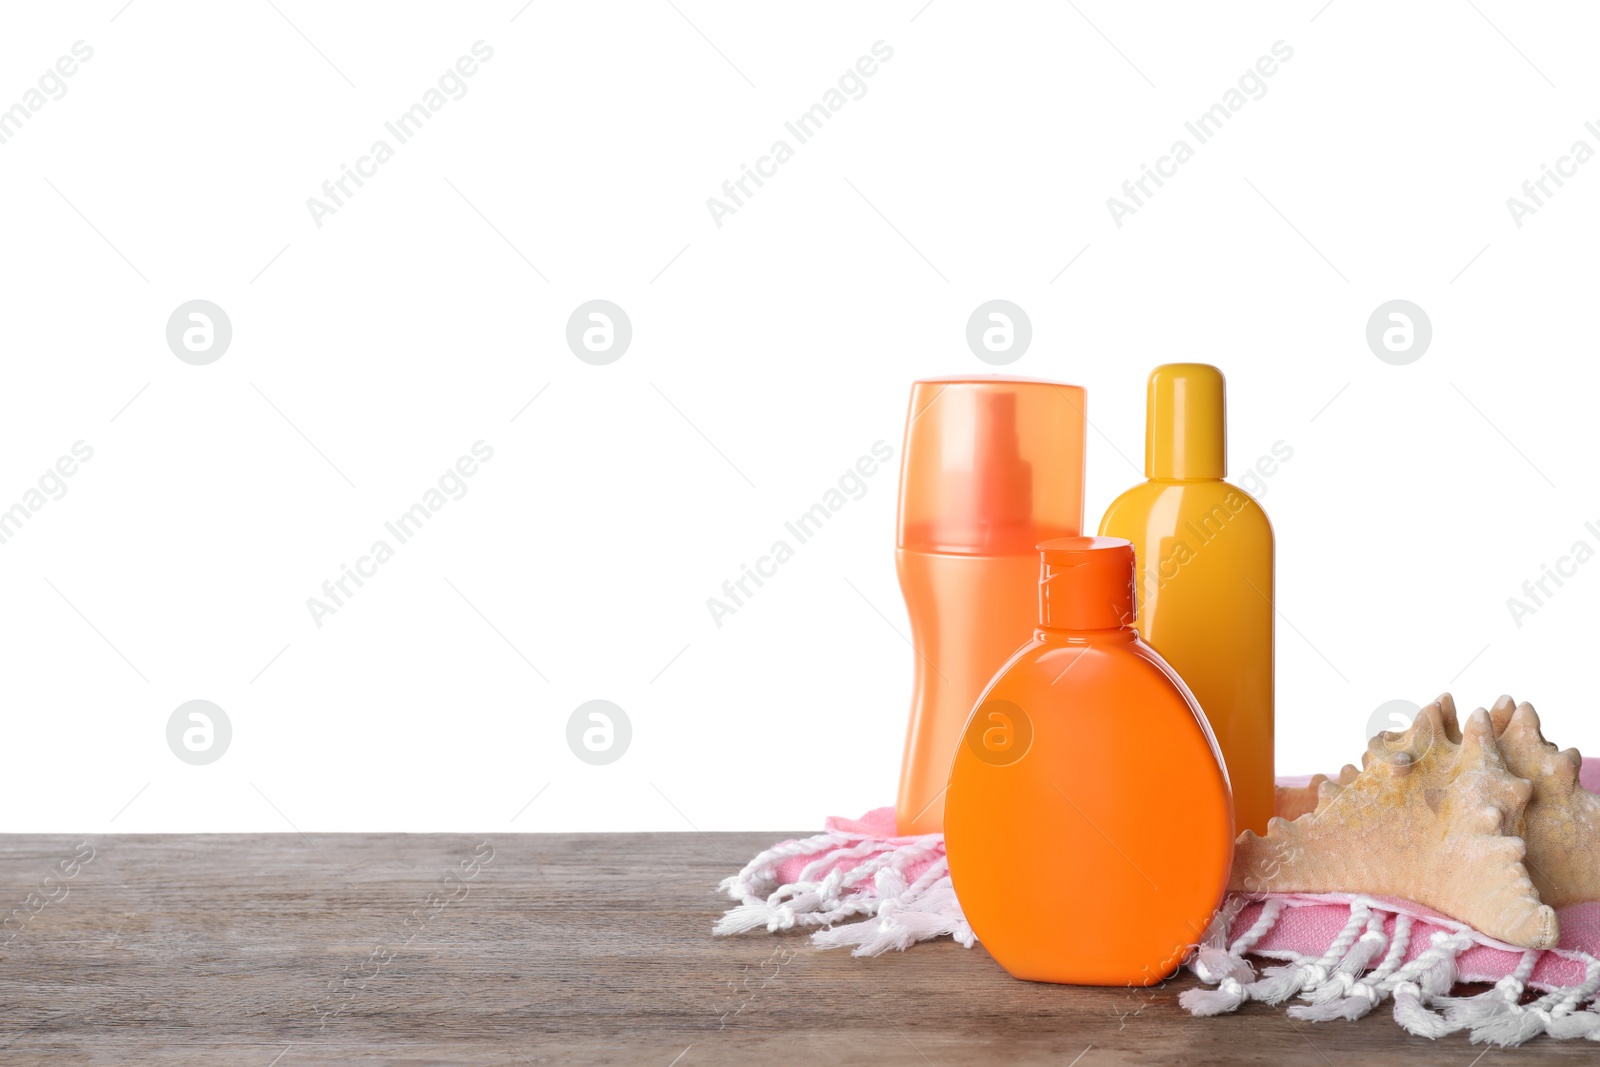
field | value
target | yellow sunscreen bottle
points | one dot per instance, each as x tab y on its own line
1203	551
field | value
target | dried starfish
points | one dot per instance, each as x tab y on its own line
1292	801
1562	823
1432	816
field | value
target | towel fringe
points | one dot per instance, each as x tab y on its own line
1338	985
864	900
857	891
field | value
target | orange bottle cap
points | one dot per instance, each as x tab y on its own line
1086	583
992	464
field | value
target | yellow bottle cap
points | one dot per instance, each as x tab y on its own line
1185	423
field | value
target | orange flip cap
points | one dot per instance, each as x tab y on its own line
1086	583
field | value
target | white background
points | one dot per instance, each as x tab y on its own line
768	355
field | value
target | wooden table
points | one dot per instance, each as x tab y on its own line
277	950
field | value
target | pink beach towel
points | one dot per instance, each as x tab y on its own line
1342	954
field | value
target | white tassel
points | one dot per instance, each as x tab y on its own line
1232	989
1564	1022
1335	987
1355	1000
1499	1004
1372	941
1270	912
1410	1013
904	915
1343	980
1362	993
1221	924
1574	1024
865	880
1285	982
1212	961
1212	965
1552	1014
1508	1025
857	889
1422	981
1228	996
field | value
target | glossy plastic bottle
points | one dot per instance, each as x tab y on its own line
992	465
1088	822
1204	551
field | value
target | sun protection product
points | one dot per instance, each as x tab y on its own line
1204	551
992	465
1088	823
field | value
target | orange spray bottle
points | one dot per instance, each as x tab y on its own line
1205	574
1088	823
992	465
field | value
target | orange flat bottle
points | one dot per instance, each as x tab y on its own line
1088	822
992	465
